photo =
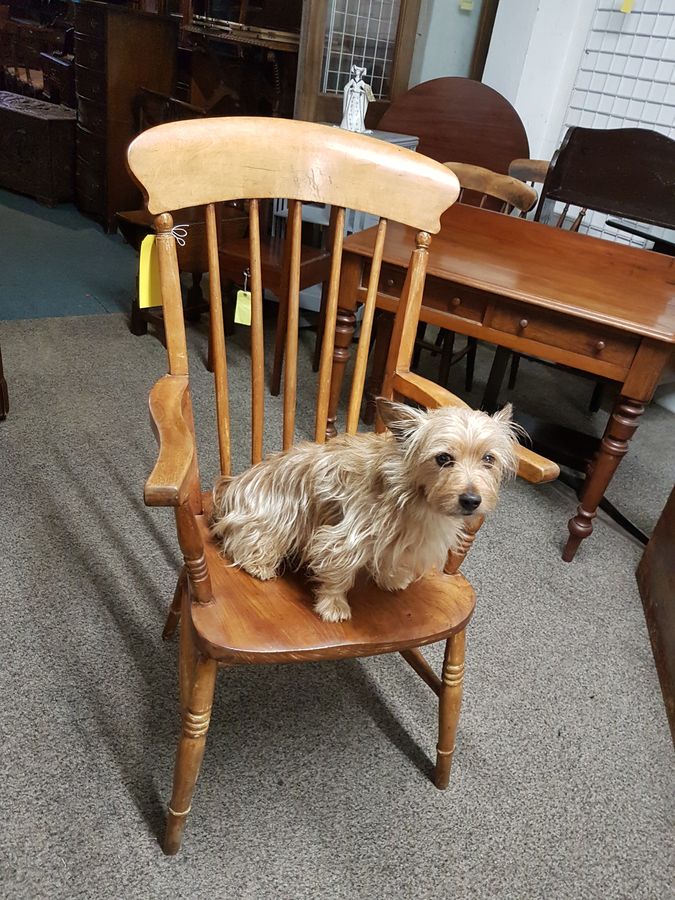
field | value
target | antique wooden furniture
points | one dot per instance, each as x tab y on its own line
59	78
656	580
22	41
482	184
37	148
460	119
118	51
227	617
623	171
557	295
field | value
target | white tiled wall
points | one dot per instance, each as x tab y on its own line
626	78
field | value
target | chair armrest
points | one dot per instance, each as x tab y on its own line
531	466
534	170
170	480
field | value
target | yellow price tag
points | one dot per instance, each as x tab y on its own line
242	311
149	293
627	6
466	5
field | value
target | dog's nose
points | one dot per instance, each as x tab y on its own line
469	501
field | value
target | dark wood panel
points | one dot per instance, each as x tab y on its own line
656	580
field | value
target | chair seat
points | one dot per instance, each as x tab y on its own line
252	621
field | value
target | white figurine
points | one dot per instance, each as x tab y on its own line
356	97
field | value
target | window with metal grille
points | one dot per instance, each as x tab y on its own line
362	33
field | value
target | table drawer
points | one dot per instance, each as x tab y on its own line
90	84
554	330
89	52
460	301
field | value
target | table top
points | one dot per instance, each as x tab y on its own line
576	274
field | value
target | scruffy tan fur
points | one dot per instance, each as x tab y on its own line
390	503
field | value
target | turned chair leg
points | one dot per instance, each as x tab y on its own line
196	720
449	703
173	617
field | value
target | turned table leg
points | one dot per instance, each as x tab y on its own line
344	334
620	429
345	326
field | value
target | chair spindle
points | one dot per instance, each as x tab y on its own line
219	354
361	363
257	341
330	318
172	297
292	324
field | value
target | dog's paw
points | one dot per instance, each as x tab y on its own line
333	609
394	584
262	573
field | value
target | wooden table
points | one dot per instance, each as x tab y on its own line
597	306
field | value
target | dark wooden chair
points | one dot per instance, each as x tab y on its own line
628	172
228	618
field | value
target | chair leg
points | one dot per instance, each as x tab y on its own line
196	720
279	346
596	397
382	336
449	703
320	325
417	352
515	362
446	357
470	363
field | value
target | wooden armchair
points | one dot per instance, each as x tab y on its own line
228	618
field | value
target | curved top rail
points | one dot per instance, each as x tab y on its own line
203	161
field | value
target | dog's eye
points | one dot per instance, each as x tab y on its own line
444	459
489	459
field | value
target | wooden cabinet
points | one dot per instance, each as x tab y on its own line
118	51
36	148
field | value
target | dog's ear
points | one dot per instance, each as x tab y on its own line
400	419
504	415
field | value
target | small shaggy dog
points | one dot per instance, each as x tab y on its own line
392	504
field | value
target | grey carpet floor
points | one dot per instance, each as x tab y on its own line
315	780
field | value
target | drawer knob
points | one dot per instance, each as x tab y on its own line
456	301
523	323
600	346
390	282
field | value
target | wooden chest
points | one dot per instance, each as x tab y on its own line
118	51
37	148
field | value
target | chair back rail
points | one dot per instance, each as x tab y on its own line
513	193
